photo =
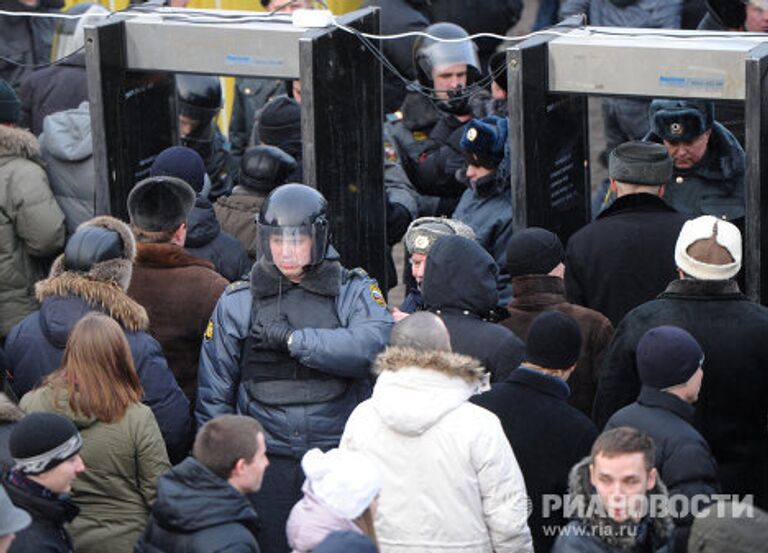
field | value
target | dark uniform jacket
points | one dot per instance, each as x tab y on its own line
331	358
683	458
47	533
534	294
250	95
197	511
26	40
547	435
460	286
623	258
733	403
206	240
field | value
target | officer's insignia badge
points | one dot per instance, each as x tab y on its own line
389	152
377	296
421	242
209	331
472	134
419	136
676	129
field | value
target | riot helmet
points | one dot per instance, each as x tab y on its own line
293	216
430	53
199	100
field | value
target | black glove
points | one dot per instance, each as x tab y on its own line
398	219
458	101
272	334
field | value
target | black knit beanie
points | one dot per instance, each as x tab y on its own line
554	341
41	441
667	356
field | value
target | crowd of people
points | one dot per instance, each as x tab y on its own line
209	376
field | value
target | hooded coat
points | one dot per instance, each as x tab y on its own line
67	150
36	345
31	224
123	461
207	240
733	401
597	533
450	480
460	286
198	512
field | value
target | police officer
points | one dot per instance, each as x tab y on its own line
199	98
292	347
424	135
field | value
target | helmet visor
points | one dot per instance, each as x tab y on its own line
439	55
292	249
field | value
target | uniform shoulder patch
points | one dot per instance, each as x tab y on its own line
376	294
209	331
390	153
236	286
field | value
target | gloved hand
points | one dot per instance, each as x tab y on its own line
273	334
398	219
458	101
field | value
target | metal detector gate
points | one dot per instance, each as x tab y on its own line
131	61
550	77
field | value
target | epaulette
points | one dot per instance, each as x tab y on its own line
237	286
356	272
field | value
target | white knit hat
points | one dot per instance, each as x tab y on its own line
706	227
344	481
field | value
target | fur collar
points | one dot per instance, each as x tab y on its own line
107	296
168	256
18	142
9	411
324	279
725	289
395	358
623	535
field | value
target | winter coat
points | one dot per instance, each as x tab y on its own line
715	185
198	512
460	286
250	95
237	216
310	522
31	224
26	40
547	435
534	294
52	89
346	352
449	479
10	414
123	461
487	208
625	257
67	150
683	457
733	402
47	533
179	292
206	240
650	14
598	533
35	347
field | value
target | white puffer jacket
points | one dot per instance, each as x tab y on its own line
450	481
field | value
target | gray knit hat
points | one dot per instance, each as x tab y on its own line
423	232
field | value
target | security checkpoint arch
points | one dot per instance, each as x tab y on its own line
550	76
131	60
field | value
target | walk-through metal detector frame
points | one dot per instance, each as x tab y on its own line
131	61
550	77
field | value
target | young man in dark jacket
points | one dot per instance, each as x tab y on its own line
201	503
705	301
45	448
547	435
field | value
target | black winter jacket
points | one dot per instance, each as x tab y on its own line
198	512
547	435
460	286
206	240
623	258
46	534
683	457
732	408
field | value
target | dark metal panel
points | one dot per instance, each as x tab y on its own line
341	129
755	259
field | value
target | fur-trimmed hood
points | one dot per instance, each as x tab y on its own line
624	535
9	411
416	389
17	142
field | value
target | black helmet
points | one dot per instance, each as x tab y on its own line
199	98
292	211
262	168
429	53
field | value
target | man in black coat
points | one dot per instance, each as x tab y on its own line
669	363
45	448
547	435
460	286
201	503
733	403
624	257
